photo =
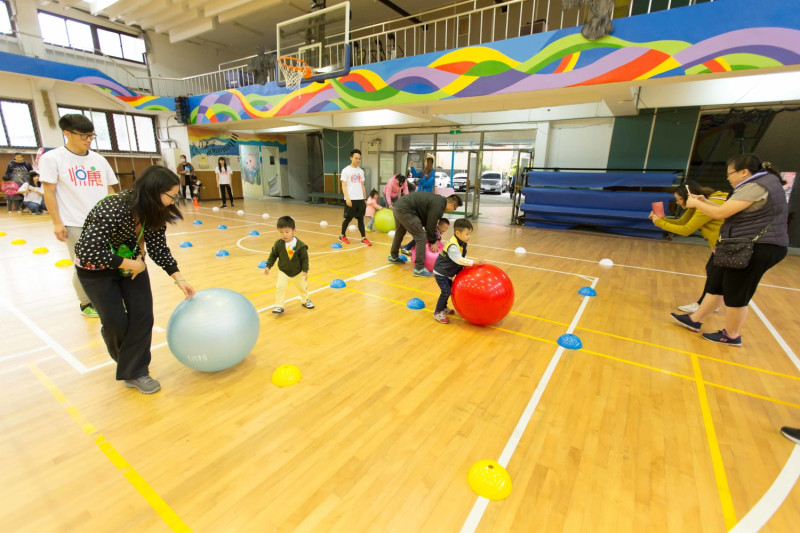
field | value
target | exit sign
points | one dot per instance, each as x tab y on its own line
455	132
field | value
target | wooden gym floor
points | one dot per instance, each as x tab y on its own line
647	428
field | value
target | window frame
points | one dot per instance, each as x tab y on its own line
95	38
34	124
13	32
109	116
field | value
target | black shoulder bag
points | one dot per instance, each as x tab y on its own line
736	252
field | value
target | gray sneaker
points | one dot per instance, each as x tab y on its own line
423	273
396	260
145	384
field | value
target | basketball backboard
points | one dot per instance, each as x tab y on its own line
320	38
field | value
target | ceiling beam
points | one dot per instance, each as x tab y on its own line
192	29
165	26
145	9
253	5
116	10
174	12
233	12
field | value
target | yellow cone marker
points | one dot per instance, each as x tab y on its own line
18	241
63	263
286	375
39	251
490	480
3	234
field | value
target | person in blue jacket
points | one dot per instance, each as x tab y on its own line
426	177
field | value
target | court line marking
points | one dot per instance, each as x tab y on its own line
479	508
783	344
141	486
771	501
21	354
723	488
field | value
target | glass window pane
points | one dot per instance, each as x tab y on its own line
121	130
421	142
132	48
521	140
17	117
68	111
109	43
103	140
54	29
80	35
463	141
145	134
131	133
5	22
3	140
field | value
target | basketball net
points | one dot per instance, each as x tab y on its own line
294	70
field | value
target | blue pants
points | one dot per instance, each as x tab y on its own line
34	207
445	284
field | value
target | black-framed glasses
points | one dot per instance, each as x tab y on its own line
84	136
732	172
170	196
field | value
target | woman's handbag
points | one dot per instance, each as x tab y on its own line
735	253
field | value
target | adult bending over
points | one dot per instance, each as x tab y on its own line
756	208
117	281
418	214
691	221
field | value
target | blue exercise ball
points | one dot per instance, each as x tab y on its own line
214	330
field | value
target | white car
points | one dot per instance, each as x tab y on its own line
493	181
460	181
442	179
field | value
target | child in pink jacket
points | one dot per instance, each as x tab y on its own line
372	206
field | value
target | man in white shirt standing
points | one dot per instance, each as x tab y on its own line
355	196
75	179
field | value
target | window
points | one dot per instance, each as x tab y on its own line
70	33
5	19
119	132
18	129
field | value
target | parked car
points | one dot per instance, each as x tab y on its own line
493	181
460	181
442	179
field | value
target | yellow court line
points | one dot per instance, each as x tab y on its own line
142	487
725	498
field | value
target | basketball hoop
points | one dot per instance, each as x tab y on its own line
293	69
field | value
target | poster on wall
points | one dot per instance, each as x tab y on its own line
207	146
251	170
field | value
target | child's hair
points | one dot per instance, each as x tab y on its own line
372	193
693	187
76	122
462	224
443	221
285	222
6	177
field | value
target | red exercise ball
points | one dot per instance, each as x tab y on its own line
482	294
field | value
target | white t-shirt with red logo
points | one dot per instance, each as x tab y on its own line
352	178
81	181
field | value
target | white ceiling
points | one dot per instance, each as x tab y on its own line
240	25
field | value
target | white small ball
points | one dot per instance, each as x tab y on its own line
606	263
351	228
265	215
391	233
520	251
215	209
324	224
240	212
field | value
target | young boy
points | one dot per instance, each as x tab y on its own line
451	260
441	227
292	256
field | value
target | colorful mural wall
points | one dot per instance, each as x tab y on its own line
690	41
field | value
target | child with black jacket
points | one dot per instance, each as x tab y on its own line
292	256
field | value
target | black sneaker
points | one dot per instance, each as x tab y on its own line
687	322
145	384
793	434
722	337
396	260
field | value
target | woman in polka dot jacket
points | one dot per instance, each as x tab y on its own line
119	287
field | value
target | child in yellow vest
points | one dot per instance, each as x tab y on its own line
452	259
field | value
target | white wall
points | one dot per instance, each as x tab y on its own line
184	59
579	143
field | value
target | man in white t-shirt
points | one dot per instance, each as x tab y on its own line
75	179
355	196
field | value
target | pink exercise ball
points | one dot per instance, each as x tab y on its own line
430	257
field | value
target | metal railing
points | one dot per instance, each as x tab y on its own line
458	25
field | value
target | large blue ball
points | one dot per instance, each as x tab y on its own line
214	330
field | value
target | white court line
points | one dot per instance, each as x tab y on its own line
777	335
763	510
475	515
47	339
26	366
211	229
20	354
587	278
336	251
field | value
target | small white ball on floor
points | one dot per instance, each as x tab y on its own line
265	215
240	212
391	233
606	263
351	228
520	251
215	209
324	224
